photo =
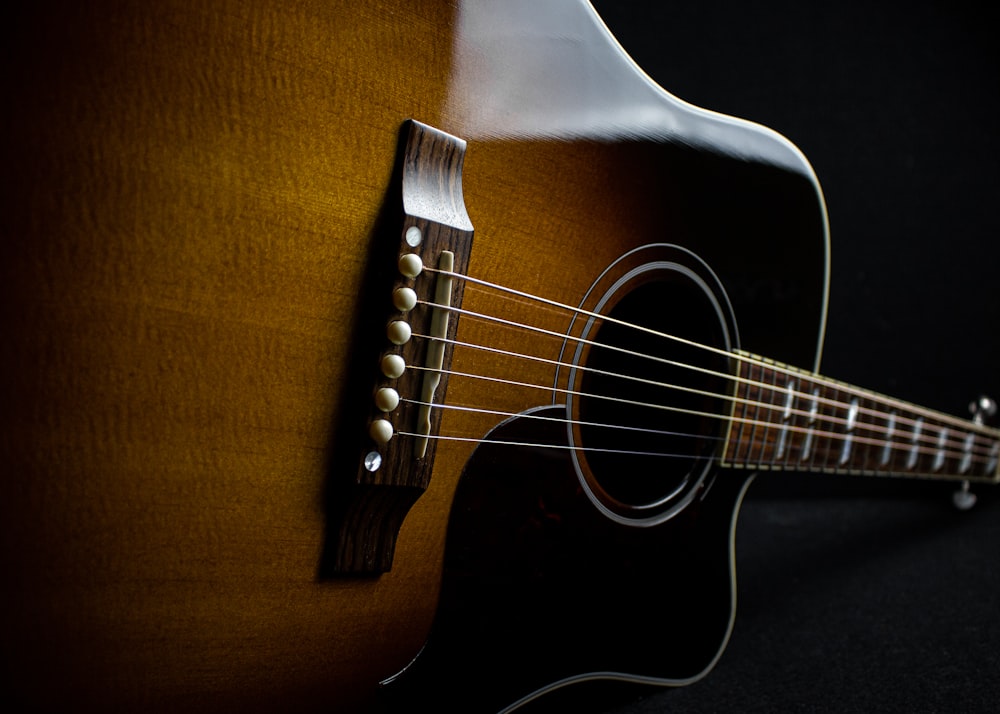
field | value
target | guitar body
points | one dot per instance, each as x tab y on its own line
192	194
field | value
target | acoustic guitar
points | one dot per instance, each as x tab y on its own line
356	354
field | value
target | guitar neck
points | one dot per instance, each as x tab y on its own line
784	418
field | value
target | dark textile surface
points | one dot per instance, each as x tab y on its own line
858	605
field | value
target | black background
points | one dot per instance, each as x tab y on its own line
863	594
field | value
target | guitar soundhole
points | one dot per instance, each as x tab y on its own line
649	411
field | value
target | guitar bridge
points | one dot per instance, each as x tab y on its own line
394	466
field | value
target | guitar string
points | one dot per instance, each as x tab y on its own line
858	426
740	356
965	476
573	422
924	437
711	415
538	417
939	450
568	447
521	415
815	378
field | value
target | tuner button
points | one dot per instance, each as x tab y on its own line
387	399
410	265
398	332
987	406
393	366
982	409
380	431
963	498
404	299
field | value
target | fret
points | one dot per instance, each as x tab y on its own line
865	434
784	418
953	450
933	448
885	460
991	468
748	435
771	416
808	450
913	450
795	415
734	449
743	427
967	445
899	450
826	448
961	451
756	437
809	395
788	403
984	456
755	373
848	441
879	425
940	454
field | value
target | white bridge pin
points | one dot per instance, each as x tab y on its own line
393	366
410	265
398	332
404	299
387	399
380	431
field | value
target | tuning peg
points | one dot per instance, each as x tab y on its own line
981	409
963	499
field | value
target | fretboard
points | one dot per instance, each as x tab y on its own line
784	418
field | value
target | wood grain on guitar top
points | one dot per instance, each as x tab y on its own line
190	195
190	192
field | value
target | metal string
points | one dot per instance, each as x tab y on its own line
924	437
692	412
574	422
744	357
819	416
966	452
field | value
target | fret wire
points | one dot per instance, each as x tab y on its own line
867	449
755	408
774	414
824	444
764	424
951	459
870	426
823	406
744	405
